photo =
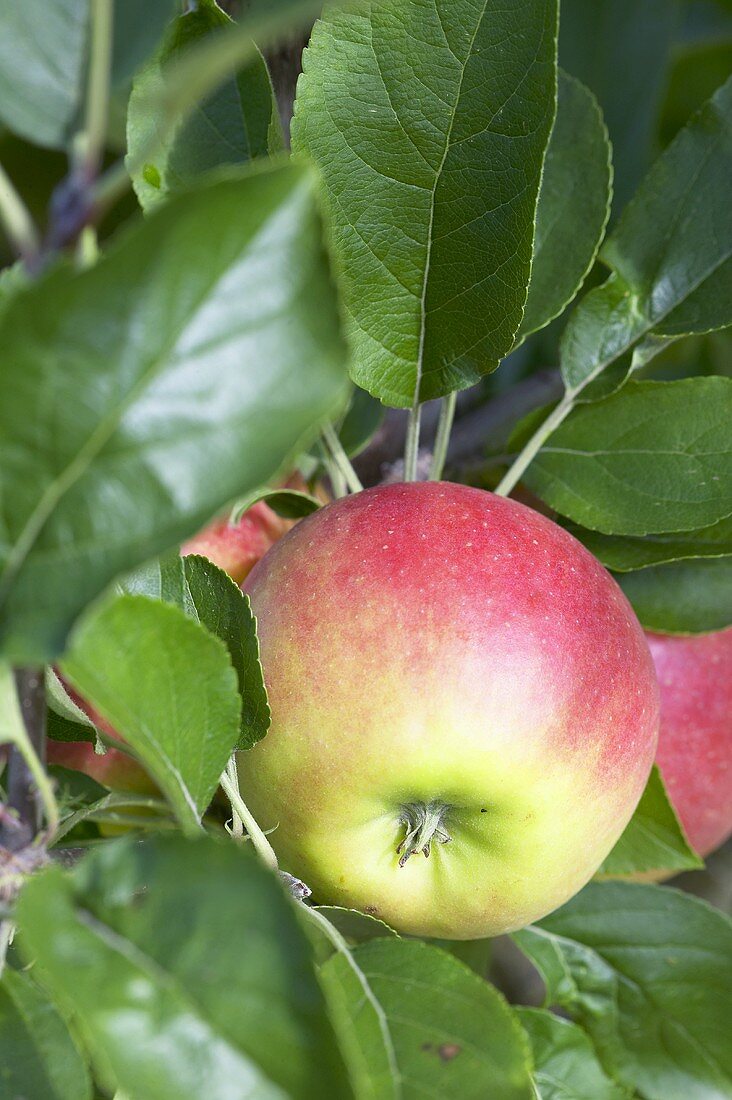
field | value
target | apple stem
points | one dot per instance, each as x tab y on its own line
424	823
239	808
442	439
411	450
534	445
340	458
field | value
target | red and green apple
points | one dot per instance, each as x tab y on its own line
695	742
451	675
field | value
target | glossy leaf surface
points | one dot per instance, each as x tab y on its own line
647	971
186	965
144	394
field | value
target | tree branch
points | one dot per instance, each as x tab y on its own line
22	818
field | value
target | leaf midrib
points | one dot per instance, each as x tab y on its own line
105	429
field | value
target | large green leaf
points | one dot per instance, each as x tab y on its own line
574	204
670	253
359	1020
647	971
566	1066
620	49
167	687
234	125
452	1033
38	1058
188	971
624	554
429	120
194	74
42	64
208	595
654	457
145	393
653	840
685	597
43	59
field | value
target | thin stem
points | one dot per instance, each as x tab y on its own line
340	458
534	445
17	222
27	779
411	449
87	248
237	824
262	846
7	930
442	439
92	140
337	480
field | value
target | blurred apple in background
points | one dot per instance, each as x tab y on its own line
695	743
237	547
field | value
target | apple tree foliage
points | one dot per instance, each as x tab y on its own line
473	184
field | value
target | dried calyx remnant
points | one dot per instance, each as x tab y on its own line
424	822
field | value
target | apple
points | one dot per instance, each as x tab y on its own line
451	675
113	769
237	547
695	743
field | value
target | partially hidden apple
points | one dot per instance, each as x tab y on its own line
451	675
695	743
113	769
237	547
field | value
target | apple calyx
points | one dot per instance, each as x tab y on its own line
424	822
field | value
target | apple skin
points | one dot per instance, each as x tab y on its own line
113	769
433	642
695	743
237	547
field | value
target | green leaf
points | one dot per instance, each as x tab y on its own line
361	422
43	60
221	606
236	124
38	1058
452	1033
620	49
167	686
288	503
42	65
696	72
686	597
106	809
653	839
670	253
566	1066
188	971
355	927
654	457
208	595
135	402
574	205
647	972
429	120
194	74
624	554
138	28
61	703
358	1019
